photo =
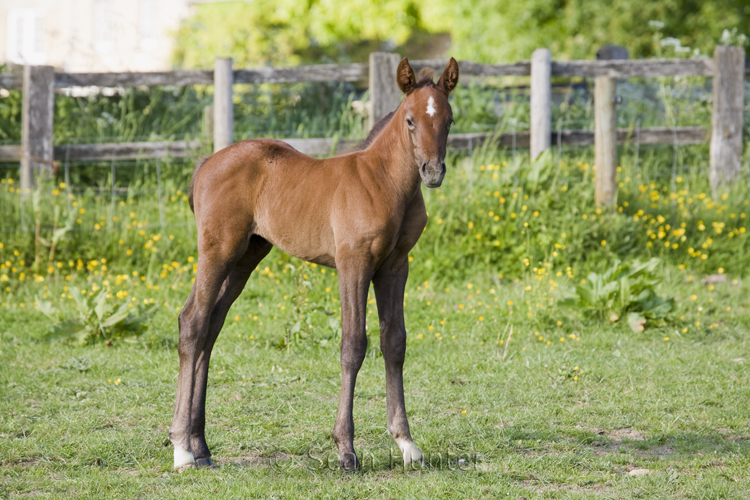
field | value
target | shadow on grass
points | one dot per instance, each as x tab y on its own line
535	441
676	443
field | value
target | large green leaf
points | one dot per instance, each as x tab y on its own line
100	304
65	329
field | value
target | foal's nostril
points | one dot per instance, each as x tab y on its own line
443	168
423	168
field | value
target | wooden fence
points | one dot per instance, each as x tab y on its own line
727	68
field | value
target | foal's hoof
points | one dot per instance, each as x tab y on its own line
348	461
204	462
183	459
412	454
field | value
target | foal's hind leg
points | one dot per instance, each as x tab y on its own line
218	256
389	282
194	324
233	286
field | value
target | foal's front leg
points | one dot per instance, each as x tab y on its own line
390	281
354	281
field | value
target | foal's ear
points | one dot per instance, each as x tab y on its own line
405	76
449	80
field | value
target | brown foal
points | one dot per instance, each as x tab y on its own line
360	213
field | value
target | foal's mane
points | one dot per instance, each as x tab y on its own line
424	79
374	132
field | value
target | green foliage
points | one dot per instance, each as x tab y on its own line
10	117
494	30
520	217
96	318
164	113
625	288
289	32
292	31
497	211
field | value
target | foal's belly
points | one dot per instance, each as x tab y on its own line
310	254
302	240
316	243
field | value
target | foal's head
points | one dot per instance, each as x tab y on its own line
428	117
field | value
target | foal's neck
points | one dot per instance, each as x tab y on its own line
392	149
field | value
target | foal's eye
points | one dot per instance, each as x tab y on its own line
410	123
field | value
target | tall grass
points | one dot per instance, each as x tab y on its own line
502	211
498	211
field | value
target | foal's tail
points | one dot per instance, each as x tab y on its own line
198	166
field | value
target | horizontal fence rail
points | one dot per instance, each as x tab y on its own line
113	151
521	139
359	72
634	68
128	151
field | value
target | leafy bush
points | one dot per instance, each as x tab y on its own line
97	319
623	289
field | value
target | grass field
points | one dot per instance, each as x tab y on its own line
577	404
92	421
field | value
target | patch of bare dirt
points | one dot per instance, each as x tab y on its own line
619	434
23	462
254	459
620	437
730	436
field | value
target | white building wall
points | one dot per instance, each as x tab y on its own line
91	35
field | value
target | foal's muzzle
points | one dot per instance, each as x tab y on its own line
432	173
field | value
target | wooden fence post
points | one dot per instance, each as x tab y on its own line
605	141
605	131
385	96
223	105
541	97
36	123
726	119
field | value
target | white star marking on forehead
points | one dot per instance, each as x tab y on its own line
431	106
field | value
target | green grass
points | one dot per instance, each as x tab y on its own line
92	421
